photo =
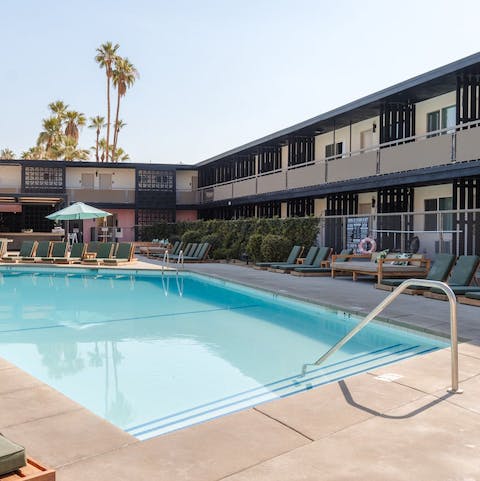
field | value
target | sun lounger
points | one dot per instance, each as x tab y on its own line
58	249
3	247
189	250
472	298
200	255
295	253
44	249
308	261
415	266
460	278
27	250
76	254
318	267
103	251
123	255
439	271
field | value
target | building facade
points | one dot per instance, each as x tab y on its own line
400	163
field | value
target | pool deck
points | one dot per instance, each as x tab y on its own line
395	423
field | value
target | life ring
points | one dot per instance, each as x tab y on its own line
367	246
414	244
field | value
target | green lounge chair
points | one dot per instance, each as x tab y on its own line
59	249
308	261
12	456
104	251
3	247
439	271
472	298
292	257
76	254
188	251
175	248
43	250
27	249
460	278
316	268
123	255
200	255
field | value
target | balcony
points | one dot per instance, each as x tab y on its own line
187	197
110	196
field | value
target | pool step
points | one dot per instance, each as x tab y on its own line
277	389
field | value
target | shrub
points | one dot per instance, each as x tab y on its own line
275	248
191	236
254	247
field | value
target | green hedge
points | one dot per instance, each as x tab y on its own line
230	239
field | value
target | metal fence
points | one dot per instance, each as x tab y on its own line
446	231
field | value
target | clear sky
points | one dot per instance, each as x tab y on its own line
215	74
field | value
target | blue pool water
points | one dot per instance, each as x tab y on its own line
153	354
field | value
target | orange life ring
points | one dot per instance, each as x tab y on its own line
362	246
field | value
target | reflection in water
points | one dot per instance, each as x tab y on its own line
61	359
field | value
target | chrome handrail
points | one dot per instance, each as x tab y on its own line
386	302
166	257
180	260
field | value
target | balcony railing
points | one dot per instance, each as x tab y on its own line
187	197
453	144
112	196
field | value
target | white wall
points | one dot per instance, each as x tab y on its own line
121	178
11	177
184	179
435	103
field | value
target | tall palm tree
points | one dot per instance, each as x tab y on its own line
51	134
34	153
121	155
105	57
68	150
7	154
97	123
59	109
124	76
74	120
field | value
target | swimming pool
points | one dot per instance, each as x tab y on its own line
153	353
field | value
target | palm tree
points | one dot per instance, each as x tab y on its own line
105	57
67	150
7	154
121	155
97	123
74	120
34	153
51	134
59	109
124	76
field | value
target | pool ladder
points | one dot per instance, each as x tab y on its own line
180	260
386	302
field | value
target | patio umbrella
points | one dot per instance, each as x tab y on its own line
77	211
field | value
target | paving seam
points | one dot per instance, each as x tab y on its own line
257	409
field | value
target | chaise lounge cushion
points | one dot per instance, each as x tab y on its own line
12	456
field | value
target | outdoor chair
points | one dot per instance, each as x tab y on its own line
439	271
44	249
200	255
295	253
59	249
77	252
460	278
27	249
190	248
318	267
123	255
308	261
103	251
472	298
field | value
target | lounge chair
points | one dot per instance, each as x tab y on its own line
59	249
3	247
76	254
175	248
200	255
27	249
295	253
460	278
439	271
472	298
318	269
123	255
308	261
44	249
188	251
103	251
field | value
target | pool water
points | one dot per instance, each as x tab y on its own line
153	353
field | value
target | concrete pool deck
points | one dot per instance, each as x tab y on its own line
394	423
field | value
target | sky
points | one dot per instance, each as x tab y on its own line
215	74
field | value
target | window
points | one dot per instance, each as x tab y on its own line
329	150
43	179
442	119
434	205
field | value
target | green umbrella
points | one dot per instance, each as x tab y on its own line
76	211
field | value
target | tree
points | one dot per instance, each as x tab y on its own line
50	135
97	123
105	57
68	149
58	109
123	76
7	154
121	155
74	120
34	153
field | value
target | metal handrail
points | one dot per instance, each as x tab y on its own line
166	256
386	302
180	260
